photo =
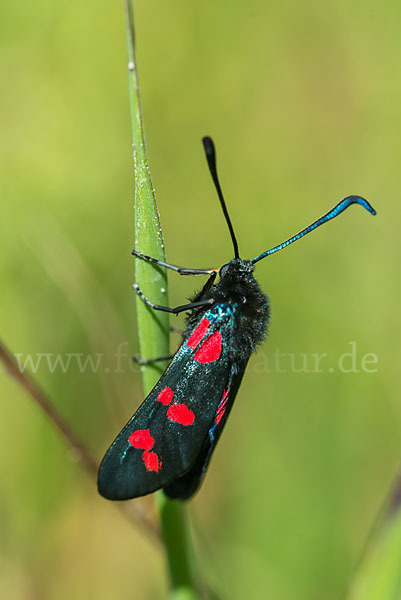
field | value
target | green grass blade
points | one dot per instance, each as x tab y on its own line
153	326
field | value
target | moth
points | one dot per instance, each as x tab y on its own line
169	441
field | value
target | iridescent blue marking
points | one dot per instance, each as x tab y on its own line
221	312
334	212
212	431
124	454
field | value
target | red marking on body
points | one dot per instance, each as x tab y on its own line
165	396
210	349
151	460
142	439
198	333
180	413
221	409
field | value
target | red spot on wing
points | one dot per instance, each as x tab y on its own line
180	413
210	349
165	396
151	460
221	409
142	439
198	333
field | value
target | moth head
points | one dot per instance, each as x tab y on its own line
236	268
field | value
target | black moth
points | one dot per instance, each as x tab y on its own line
169	441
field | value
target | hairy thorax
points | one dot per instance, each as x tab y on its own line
238	294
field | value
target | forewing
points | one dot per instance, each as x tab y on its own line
164	437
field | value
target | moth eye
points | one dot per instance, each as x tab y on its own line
223	270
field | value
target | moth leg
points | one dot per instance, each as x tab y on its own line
179	270
209	283
177	309
150	361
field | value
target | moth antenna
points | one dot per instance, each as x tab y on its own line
211	161
334	212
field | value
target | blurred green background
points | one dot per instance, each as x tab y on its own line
304	103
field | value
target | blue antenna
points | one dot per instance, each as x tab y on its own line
334	212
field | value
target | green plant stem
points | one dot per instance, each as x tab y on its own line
175	534
153	326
